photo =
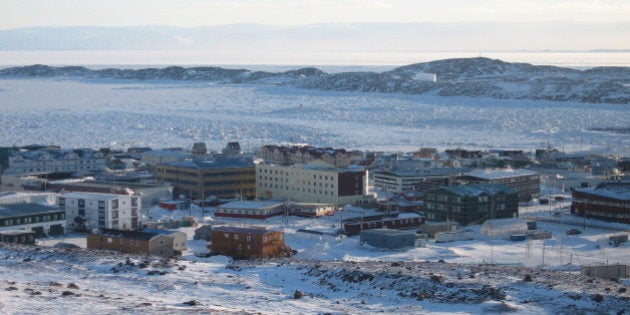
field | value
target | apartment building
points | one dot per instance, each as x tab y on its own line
525	182
88	211
314	184
224	178
471	204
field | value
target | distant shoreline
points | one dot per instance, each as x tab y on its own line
338	61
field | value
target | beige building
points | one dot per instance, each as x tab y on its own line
313	184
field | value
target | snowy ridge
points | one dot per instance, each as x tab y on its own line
455	77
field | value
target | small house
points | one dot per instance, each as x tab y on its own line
389	239
250	209
311	210
179	238
248	242
132	242
504	227
431	228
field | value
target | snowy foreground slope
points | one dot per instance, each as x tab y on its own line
123	113
79	281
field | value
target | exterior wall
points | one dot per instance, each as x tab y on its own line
160	245
50	223
202	183
101	210
296	183
259	213
384	240
44	162
442	205
613	272
311	210
391	182
355	227
17	237
600	207
245	244
527	186
305	154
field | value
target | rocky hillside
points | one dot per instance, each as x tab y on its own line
455	77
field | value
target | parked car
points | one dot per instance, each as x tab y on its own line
573	232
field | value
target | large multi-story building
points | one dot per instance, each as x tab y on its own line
525	182
304	154
47	160
471	204
607	201
223	178
88	211
311	183
39	219
418	180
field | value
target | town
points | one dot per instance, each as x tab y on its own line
240	203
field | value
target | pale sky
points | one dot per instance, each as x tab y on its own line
28	13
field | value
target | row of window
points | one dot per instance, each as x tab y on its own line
302	189
35	219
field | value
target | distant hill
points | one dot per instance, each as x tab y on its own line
455	77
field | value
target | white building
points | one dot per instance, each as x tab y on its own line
40	219
314	184
94	210
51	160
422	180
249	209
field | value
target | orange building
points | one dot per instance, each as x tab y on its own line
248	242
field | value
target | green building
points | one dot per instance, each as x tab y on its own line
471	204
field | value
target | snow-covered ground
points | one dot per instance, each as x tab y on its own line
336	275
120	114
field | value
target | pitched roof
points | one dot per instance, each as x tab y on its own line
138	235
240	230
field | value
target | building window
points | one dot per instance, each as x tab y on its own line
249	238
226	235
110	240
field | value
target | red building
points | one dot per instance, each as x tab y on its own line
248	242
608	201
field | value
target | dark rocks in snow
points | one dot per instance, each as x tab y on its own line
192	303
73	286
297	294
67	293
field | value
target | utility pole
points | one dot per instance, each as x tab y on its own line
543	254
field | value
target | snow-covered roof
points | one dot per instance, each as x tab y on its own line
612	190
252	205
388	232
500	174
21	209
90	195
215	164
476	190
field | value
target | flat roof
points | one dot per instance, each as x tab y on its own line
19	209
388	232
90	195
214	164
425	172
476	190
242	230
251	205
613	190
500	174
